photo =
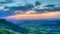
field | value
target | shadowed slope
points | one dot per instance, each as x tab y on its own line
13	27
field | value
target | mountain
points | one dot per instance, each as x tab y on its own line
45	23
10	26
37	26
48	26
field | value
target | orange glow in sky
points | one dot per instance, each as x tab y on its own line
36	16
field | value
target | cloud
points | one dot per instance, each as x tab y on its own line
6	12
22	8
26	12
30	12
10	7
57	9
47	15
6	1
37	3
2	7
19	12
52	7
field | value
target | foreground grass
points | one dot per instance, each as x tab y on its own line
7	31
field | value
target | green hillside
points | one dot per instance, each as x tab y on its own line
9	28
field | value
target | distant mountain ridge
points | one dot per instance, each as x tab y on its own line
37	26
27	23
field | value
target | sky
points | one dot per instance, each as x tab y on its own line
19	9
46	15
23	2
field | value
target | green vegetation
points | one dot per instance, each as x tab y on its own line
9	28
7	31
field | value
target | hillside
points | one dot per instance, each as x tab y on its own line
40	26
6	26
30	27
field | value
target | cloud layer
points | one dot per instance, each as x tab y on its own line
47	15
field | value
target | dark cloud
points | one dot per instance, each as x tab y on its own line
37	3
57	9
51	7
47	10
22	8
6	2
30	6
12	9
26	7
